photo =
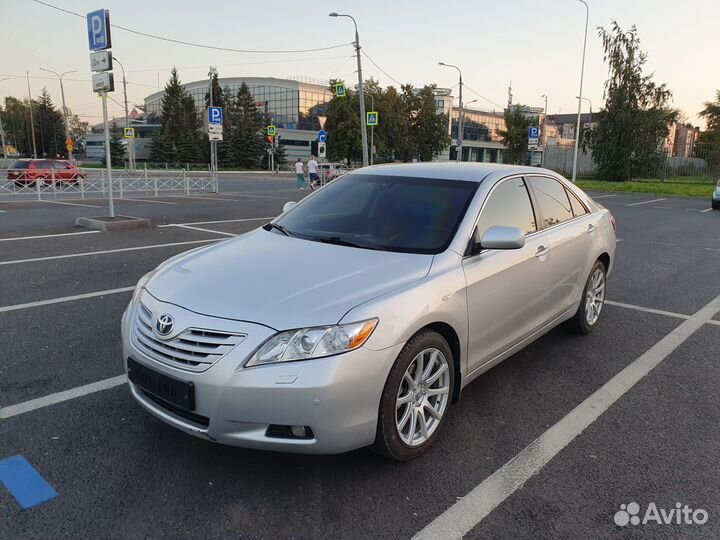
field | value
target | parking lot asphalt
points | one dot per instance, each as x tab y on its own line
119	473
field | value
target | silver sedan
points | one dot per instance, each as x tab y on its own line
357	316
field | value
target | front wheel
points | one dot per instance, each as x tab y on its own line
715	205
592	301
416	397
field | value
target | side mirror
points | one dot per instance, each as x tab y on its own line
288	205
498	237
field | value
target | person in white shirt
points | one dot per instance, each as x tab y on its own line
312	166
300	174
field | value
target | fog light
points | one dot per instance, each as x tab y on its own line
298	431
289	432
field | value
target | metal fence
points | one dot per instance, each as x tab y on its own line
698	163
93	183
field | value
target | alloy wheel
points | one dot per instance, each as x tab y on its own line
595	296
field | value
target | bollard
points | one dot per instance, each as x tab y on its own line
121	185
187	184
82	186
37	188
52	178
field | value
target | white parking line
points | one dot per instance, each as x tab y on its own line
204	198
659	243
46	236
71	204
59	397
602	196
62	299
706	210
712	249
646	202
204	230
647	310
107	251
465	514
218	221
132	199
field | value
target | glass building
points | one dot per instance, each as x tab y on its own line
291	105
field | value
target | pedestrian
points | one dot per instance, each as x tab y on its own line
312	166
300	175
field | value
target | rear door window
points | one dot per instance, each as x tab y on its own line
552	199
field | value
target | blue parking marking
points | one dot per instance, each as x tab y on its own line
24	482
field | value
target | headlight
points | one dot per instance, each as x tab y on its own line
315	342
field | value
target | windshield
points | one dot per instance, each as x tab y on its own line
413	215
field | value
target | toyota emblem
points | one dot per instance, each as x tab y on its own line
164	324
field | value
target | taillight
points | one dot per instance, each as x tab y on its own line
614	223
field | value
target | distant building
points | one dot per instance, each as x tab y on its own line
561	128
681	140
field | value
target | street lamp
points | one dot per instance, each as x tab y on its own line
582	72
590	103
131	143
62	94
460	113
212	72
363	121
544	132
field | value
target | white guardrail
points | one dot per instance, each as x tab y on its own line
94	183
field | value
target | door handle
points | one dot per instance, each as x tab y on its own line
542	251
591	228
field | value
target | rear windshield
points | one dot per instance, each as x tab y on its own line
21	165
411	215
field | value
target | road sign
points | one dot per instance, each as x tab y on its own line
533	137
215	115
322	135
340	90
101	61
215	136
271	131
103	82
98	26
372	118
322	149
129	133
215	128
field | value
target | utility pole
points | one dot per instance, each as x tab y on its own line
2	134
32	122
62	94
544	132
372	133
213	145
361	92
582	73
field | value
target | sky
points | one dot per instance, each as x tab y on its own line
535	44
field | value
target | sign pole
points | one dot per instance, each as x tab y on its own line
108	163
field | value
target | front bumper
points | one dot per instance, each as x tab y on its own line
337	397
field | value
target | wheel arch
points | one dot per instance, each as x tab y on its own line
450	335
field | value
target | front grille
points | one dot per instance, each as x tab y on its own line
194	349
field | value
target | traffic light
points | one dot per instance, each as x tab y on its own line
270	140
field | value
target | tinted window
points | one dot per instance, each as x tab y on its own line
507	205
414	215
21	165
577	207
552	199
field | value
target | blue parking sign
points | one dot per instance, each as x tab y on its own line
534	132
98	27
215	115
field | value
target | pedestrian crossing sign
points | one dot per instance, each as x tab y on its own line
271	131
129	133
340	90
372	118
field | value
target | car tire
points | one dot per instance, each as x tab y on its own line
592	302
715	205
412	396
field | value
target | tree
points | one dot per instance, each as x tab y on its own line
627	138
427	130
710	138
246	130
49	127
515	135
179	138
16	123
117	148
343	127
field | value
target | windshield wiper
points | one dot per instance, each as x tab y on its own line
271	226
336	240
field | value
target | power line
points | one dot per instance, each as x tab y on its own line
381	69
199	45
501	107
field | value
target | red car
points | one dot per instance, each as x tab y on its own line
27	172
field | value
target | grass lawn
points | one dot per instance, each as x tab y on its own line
685	189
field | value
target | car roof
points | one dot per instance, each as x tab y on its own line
449	170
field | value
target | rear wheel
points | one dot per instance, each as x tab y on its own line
416	397
592	301
715	205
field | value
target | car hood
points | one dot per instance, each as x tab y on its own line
282	282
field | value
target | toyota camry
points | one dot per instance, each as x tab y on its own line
357	316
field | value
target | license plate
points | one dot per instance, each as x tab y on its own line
180	394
